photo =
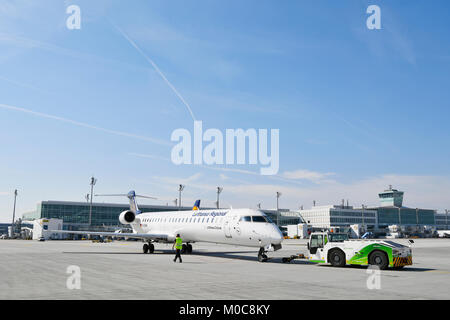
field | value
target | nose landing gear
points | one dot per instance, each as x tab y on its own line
262	257
187	248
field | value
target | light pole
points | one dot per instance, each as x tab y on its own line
93	182
417	219
278	196
14	214
180	189
87	197
219	191
176	202
278	213
364	227
446	218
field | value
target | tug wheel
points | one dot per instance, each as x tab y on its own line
337	258
379	259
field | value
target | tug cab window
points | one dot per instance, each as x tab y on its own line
338	237
316	243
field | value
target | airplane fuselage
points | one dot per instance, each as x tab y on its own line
245	227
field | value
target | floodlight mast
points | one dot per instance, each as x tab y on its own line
14	213
93	182
278	213
180	189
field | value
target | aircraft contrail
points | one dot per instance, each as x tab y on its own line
85	125
156	68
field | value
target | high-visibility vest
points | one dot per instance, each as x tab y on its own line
178	243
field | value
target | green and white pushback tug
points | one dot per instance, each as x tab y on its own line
338	250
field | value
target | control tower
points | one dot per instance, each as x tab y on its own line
391	198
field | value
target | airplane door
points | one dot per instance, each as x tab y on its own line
227	227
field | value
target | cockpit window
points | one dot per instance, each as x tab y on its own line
259	219
246	218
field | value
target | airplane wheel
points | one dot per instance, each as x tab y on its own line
151	248
145	248
262	257
189	248
183	249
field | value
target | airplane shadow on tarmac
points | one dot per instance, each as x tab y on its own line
238	255
234	255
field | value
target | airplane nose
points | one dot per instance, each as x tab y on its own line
276	235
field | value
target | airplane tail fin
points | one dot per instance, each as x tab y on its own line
131	196
196	205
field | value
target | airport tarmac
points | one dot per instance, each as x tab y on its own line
119	270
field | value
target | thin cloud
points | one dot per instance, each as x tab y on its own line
22	84
85	125
420	191
227	169
148	156
156	69
306	175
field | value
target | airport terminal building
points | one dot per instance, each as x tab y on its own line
442	220
105	216
390	212
75	215
326	217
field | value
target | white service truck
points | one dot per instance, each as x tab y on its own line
338	250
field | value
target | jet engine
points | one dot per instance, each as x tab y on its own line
127	217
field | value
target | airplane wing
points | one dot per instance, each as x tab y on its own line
115	234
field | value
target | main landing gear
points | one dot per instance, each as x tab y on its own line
186	248
262	257
148	247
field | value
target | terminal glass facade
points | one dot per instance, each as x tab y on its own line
76	214
4	228
346	217
405	216
281	219
442	220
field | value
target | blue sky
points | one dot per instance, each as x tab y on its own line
357	109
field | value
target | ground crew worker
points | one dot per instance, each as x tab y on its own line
178	245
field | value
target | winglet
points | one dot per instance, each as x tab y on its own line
196	205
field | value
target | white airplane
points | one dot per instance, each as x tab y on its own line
443	233
241	227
